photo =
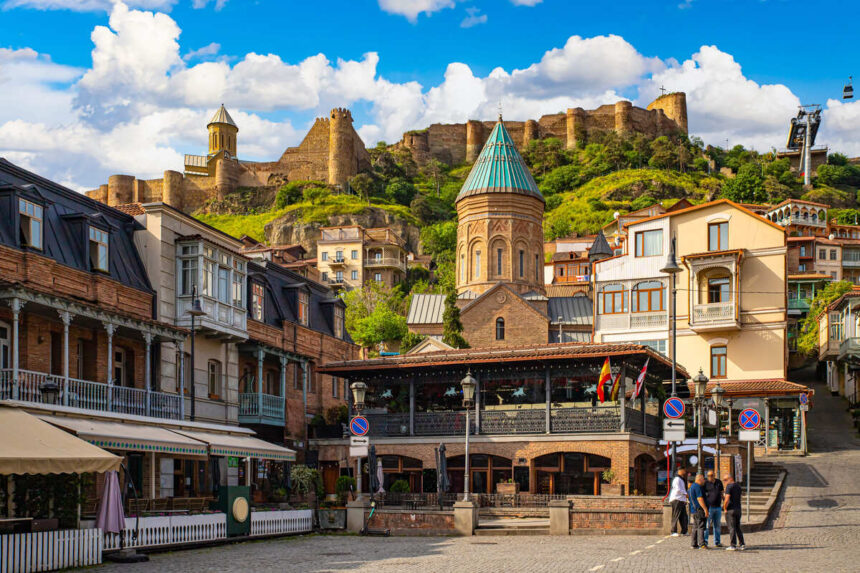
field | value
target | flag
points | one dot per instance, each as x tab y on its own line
616	385
640	380
605	376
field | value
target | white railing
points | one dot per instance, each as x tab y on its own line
273	406
50	550
170	530
282	522
649	320
88	395
384	262
715	312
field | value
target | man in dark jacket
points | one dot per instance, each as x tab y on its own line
699	511
732	505
714	499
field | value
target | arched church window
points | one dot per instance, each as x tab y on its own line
500	328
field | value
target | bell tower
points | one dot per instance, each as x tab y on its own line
222	133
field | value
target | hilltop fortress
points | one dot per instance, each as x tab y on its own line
333	152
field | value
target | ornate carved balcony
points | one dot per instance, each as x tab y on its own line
715	316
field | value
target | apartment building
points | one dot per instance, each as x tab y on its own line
839	345
350	256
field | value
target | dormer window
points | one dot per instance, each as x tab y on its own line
257	301
338	322
31	224
304	308
98	249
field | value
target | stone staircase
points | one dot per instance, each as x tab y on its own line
513	526
764	478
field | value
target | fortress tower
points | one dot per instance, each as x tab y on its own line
222	133
500	222
341	148
674	105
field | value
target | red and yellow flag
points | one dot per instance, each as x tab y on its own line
605	377
616	385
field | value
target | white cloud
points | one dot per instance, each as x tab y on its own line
87	5
206	51
723	103
198	4
474	18
27	77
526	2
840	124
412	8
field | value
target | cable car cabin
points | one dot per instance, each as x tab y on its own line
848	90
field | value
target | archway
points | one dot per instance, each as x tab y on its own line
570	473
485	471
644	475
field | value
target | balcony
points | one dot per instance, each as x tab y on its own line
336	282
714	316
851	259
385	262
337	262
221	318
88	395
632	321
849	349
797	306
255	408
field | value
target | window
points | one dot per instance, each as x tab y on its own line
273	385
537	268
462	268
718	236
801	267
304	310
31	224
338	276
354	275
718	361
498	261
377	277
833	275
335	382
324	256
209	273
613	300
98	249
832	254
522	263
214	378
802	250
560	270
649	243
257	301
187	276
719	290
325	277
648	297
338	256
338	322
477	264
224	285
238	290
822	254
354	254
500	328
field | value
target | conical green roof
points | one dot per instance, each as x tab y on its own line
499	169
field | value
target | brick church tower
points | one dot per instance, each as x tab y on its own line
500	215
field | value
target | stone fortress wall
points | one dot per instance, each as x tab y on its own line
331	151
462	142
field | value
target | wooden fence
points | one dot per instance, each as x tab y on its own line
170	530
50	550
282	522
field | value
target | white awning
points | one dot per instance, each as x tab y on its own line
129	436
242	446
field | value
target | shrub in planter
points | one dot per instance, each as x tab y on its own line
400	486
342	487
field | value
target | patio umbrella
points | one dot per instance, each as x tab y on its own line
379	478
372	462
111	518
442	482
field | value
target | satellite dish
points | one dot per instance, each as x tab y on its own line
616	215
831	236
848	90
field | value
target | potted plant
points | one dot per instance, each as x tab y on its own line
610	487
342	487
508	487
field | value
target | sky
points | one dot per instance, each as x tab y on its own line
90	88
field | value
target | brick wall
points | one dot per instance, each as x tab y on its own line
523	324
406	522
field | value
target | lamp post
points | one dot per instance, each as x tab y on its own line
468	383
701	382
50	391
359	390
717	394
195	311
672	268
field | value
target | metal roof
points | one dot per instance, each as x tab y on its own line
574	310
426	309
500	169
221	116
600	248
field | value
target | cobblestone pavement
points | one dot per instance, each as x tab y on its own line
817	529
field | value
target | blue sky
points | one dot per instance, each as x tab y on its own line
89	87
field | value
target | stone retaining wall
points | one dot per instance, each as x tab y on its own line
408	522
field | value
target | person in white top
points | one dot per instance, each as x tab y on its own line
678	499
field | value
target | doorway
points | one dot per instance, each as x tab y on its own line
5	346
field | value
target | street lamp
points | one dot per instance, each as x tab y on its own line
50	390
717	394
701	386
195	311
672	268
359	390
468	383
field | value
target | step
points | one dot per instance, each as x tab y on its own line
512	531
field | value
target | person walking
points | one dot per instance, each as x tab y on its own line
714	499
732	505
699	511
678	501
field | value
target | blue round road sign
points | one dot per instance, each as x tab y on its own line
674	408
749	419
359	426
804	398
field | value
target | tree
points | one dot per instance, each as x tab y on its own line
452	328
364	186
400	191
409	341
314	195
291	192
642	201
664	153
375	314
440	239
561	179
747	186
807	340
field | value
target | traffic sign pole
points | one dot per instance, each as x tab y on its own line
749	449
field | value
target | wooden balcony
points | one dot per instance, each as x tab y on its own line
88	395
257	408
849	349
714	316
385	263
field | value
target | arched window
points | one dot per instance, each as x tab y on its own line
613	299
462	268
500	328
649	297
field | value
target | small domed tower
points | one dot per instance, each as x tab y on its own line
500	221
222	133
